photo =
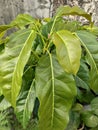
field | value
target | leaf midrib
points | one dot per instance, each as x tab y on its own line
52	79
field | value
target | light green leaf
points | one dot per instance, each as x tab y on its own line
82	77
75	10
12	62
55	90
4	104
22	20
25	105
90	43
68	50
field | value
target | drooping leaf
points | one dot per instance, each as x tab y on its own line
25	105
90	43
12	62
55	90
75	10
68	50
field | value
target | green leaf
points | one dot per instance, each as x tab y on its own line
92	29
71	26
55	90
89	119
12	62
4	104
25	105
94	128
4	28
75	10
74	121
82	77
22	20
68	50
90	43
94	105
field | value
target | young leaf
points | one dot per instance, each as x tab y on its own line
90	43
12	62
55	90
68	50
22	20
25	105
75	10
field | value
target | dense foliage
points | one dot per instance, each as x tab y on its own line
49	73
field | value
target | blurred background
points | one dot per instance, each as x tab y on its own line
9	9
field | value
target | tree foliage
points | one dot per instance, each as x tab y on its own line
49	71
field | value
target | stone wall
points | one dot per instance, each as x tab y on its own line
9	9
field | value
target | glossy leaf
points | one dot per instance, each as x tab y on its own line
90	43
75	10
68	50
25	105
12	62
55	90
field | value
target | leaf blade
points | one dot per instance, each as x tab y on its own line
68	50
9	59
24	56
90	43
75	10
25	105
51	84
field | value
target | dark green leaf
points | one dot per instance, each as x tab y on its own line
75	10
89	119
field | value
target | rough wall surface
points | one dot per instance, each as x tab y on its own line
9	9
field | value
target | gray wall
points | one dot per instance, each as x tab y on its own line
9	9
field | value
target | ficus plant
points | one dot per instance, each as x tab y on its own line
49	71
